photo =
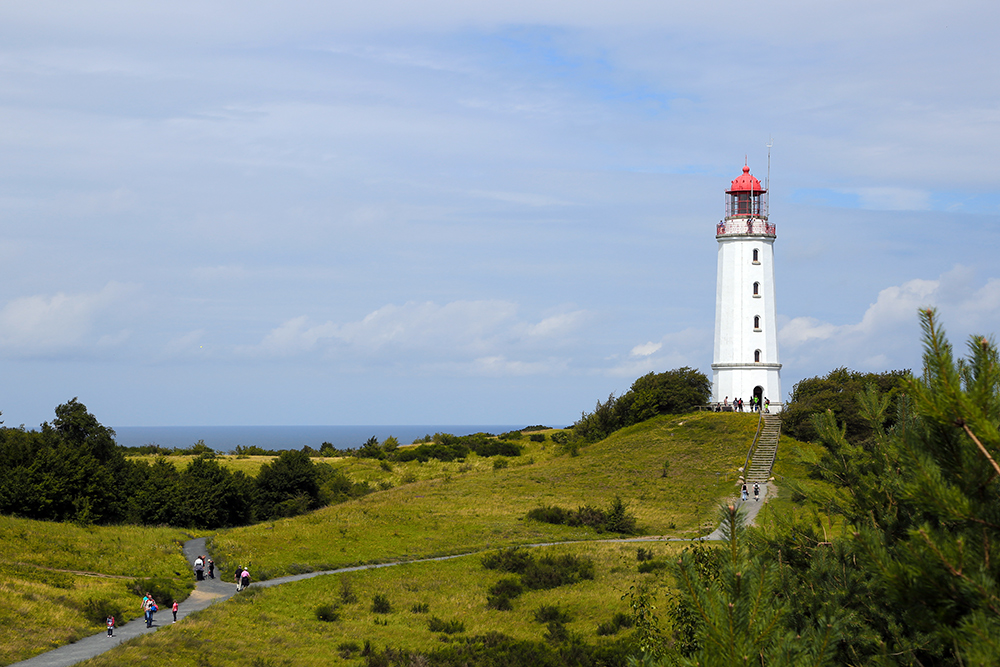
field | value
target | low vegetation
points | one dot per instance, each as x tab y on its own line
59	581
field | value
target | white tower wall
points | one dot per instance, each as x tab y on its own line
746	356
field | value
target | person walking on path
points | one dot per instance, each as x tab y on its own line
148	606
744	495
245	578
174	609
756	491
111	626
238	577
211	569
199	568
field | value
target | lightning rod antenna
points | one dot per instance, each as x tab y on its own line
767	179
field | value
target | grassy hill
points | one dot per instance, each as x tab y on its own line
672	472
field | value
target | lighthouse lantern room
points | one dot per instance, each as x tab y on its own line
745	361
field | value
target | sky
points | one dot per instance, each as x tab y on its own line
444	212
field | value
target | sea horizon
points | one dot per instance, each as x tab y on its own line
227	438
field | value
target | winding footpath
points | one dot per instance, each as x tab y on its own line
210	591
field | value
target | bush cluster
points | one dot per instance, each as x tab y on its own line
549	571
562	650
615	519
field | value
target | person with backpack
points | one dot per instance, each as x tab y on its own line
148	608
111	626
245	578
211	569
756	492
199	568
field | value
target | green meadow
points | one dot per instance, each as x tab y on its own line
672	472
58	581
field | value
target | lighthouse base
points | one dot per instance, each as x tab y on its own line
732	381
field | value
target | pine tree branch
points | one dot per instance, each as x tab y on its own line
963	424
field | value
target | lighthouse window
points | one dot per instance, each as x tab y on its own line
756	257
756	356
743	203
756	322
756	289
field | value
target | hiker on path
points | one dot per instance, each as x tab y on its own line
211	569
111	626
245	578
767	404
756	491
148	608
174	609
199	568
744	494
238	577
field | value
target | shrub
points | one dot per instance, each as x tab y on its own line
617	622
618	519
327	613
556	633
643	554
509	587
501	593
381	604
537	437
551	614
499	603
500	463
435	624
554	571
420	608
347	649
560	437
385	465
347	595
514	560
549	514
652	566
97	611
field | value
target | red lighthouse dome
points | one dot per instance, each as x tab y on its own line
745	182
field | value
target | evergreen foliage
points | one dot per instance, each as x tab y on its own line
672	392
915	577
838	392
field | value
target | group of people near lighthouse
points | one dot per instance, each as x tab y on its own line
737	405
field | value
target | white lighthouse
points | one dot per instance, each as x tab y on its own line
746	337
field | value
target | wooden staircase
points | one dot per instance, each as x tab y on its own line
762	459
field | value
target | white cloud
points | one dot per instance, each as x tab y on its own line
690	347
44	325
888	335
462	335
645	349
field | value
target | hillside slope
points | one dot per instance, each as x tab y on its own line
672	471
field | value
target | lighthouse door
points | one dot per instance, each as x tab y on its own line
758	392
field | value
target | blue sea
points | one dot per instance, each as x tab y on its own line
226	438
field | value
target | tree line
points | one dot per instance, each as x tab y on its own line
72	470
